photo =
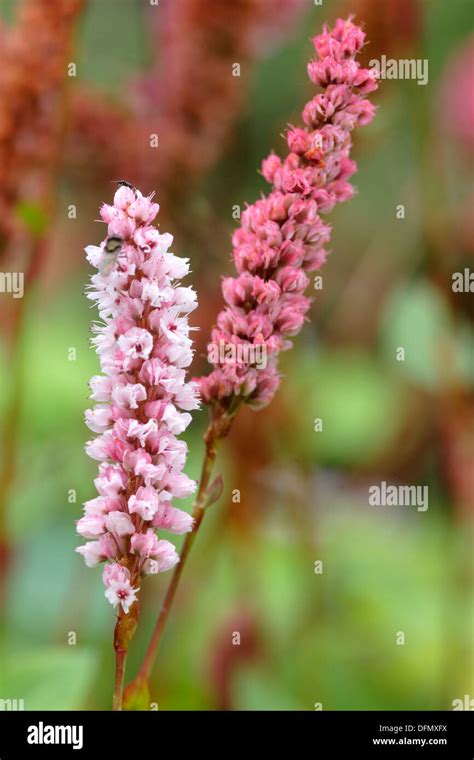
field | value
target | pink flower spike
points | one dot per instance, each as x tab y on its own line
142	399
283	236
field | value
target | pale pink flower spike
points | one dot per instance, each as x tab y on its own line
143	399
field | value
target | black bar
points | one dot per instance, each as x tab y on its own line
324	734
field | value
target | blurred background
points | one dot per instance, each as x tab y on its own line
83	84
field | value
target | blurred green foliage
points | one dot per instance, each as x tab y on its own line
325	638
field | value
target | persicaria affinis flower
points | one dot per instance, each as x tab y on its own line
142	398
283	237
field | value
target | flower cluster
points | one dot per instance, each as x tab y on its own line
282	236
144	347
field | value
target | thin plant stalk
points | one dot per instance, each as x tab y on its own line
120	662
